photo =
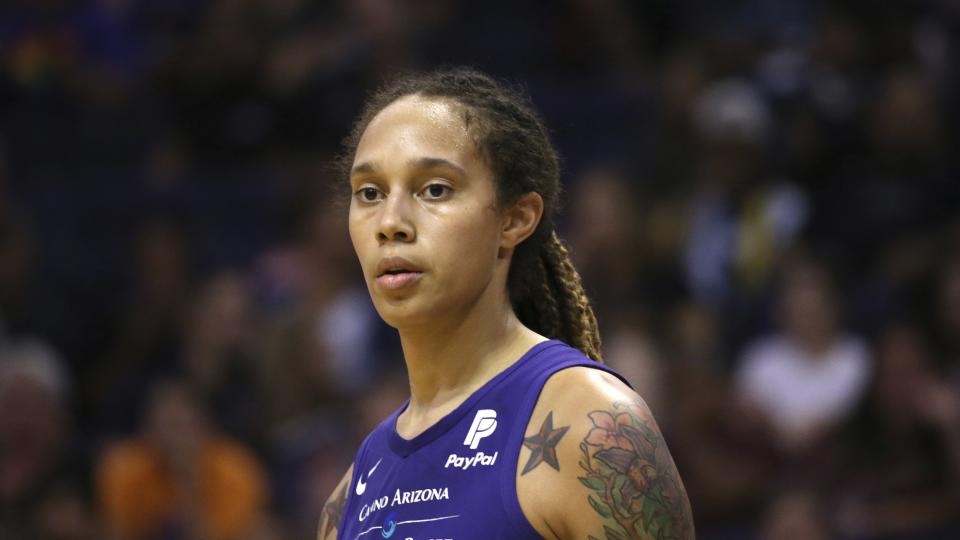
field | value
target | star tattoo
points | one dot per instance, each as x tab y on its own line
543	445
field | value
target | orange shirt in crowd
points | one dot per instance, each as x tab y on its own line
139	498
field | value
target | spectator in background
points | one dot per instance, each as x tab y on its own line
219	355
903	457
729	461
682	77
606	237
149	325
40	491
741	221
805	379
899	183
179	479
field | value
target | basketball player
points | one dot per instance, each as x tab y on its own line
513	429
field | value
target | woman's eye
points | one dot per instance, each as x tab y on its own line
436	191
368	194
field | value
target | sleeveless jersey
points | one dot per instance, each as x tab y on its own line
457	479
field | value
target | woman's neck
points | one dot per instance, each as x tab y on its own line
449	360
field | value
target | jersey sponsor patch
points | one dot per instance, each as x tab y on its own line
484	424
404	497
465	462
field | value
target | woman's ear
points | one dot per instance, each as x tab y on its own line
521	219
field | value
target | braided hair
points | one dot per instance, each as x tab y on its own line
545	289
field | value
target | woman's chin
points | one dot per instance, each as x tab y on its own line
404	311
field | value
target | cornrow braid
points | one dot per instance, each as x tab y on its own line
552	300
545	289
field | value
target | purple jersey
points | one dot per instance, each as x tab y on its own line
457	479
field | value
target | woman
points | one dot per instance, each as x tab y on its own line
508	432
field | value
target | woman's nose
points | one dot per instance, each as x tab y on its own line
395	221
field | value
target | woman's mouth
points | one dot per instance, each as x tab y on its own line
398	279
397	273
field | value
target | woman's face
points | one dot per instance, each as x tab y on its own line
424	219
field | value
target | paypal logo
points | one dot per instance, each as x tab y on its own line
484	424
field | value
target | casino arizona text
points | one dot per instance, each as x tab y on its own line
404	497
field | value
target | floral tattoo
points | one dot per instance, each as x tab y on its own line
633	479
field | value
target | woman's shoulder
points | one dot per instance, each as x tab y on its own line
572	385
579	375
590	431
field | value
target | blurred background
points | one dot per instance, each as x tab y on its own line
762	197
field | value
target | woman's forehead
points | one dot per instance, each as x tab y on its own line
413	126
430	109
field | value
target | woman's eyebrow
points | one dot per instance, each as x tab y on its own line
363	168
431	162
417	163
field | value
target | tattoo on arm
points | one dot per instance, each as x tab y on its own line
333	512
632	478
543	445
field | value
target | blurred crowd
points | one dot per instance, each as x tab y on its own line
763	198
